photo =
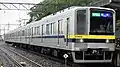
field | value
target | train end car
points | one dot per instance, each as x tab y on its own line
86	34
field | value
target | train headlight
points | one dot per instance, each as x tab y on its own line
81	40
107	41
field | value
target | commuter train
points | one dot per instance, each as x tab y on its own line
86	34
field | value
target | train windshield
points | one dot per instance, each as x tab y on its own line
101	22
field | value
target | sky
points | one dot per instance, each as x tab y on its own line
14	16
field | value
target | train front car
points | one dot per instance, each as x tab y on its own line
94	39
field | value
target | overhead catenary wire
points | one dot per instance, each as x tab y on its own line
24	5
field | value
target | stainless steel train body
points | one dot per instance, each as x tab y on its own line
88	33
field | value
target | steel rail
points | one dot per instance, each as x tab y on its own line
12	59
24	57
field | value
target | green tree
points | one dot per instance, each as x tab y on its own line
51	6
118	25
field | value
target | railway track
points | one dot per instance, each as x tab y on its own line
44	60
11	59
60	62
18	58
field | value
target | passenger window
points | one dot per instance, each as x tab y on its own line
60	22
47	29
51	28
35	30
26	32
23	33
38	30
44	30
31	31
54	30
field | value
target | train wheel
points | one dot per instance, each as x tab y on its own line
42	51
55	53
20	45
12	45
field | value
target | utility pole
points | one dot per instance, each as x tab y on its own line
8	26
24	20
4	33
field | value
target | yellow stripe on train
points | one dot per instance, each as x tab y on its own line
91	36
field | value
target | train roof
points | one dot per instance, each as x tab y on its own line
72	8
69	9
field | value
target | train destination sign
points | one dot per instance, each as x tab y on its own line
101	15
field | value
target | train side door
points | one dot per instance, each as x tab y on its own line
67	30
42	34
58	34
60	31
29	38
31	34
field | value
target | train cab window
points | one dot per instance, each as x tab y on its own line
101	22
81	21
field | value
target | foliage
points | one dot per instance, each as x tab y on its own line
51	6
118	25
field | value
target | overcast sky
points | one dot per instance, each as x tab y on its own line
12	16
21	1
